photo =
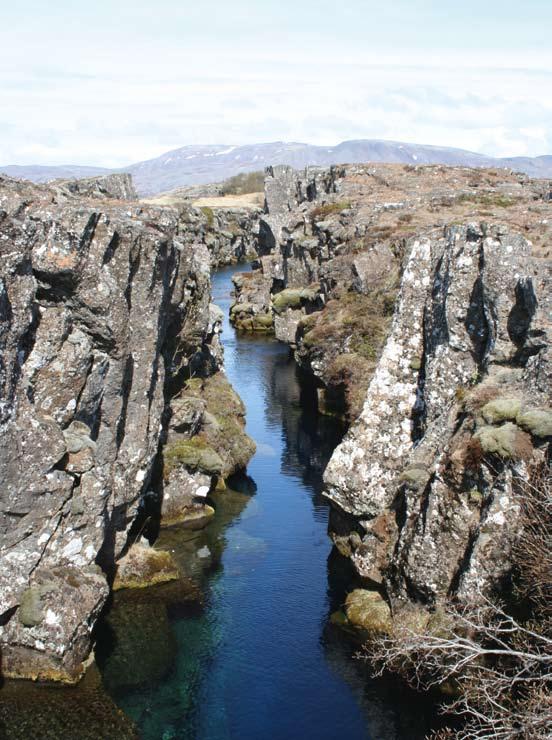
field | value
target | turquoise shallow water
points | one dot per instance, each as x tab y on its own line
242	648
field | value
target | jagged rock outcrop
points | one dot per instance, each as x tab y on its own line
332	245
424	485
105	312
230	232
116	187
416	297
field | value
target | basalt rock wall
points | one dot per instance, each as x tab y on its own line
230	234
419	300
105	315
424	485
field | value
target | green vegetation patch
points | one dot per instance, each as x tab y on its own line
537	422
246	182
292	298
222	431
209	215
327	209
494	200
30	608
350	333
143	566
369	611
194	453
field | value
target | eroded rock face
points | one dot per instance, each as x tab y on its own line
116	187
333	243
427	473
229	234
433	339
105	310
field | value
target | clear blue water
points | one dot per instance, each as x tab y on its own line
244	650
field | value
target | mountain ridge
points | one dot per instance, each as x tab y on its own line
208	163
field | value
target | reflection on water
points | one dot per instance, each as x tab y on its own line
241	647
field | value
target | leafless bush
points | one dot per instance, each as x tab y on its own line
497	661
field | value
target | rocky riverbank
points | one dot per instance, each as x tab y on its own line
416	298
111	366
419	300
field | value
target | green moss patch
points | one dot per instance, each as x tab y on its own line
506	441
537	422
327	209
349	334
495	200
222	446
143	566
415	477
30	607
368	611
501	409
194	454
292	298
209	215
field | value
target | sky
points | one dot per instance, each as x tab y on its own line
111	82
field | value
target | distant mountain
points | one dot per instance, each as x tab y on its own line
192	165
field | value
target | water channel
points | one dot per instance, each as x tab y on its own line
242	648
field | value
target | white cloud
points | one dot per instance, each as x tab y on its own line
106	100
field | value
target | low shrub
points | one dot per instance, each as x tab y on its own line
246	182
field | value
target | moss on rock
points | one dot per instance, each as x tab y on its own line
30	608
144	566
368	611
292	298
339	618
537	422
507	441
194	454
328	209
501	409
415	477
196	516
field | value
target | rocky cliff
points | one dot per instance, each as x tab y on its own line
424	485
229	233
227	226
419	300
106	323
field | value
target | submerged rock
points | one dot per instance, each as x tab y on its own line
144	566
368	611
28	710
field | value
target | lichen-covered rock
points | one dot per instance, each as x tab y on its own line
229	234
116	187
442	435
219	445
104	312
